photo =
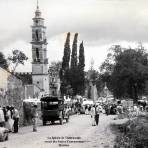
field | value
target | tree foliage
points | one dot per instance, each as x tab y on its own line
81	73
74	66
66	57
74	61
72	72
64	72
128	73
55	68
17	57
3	61
81	57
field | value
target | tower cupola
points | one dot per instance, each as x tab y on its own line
37	12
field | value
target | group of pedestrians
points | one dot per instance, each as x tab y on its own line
9	118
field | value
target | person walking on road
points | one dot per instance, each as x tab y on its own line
15	116
97	112
10	121
2	118
93	115
35	117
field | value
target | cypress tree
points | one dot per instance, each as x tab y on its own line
66	56
74	66
74	53
81	67
81	57
64	72
3	61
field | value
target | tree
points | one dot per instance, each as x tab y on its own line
108	65
66	57
129	73
55	68
81	57
74	53
107	68
74	65
81	74
3	61
17	57
64	72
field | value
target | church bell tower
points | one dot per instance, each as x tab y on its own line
40	77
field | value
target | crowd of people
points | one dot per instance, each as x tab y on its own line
9	115
92	109
9	118
112	108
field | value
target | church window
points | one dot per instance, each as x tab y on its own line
37	53
36	22
37	35
40	36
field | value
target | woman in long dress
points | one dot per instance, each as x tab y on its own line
93	116
10	121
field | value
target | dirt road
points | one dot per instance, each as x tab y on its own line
78	133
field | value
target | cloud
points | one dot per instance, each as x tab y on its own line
95	20
100	23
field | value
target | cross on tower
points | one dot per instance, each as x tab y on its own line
37	4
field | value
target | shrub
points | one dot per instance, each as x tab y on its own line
132	134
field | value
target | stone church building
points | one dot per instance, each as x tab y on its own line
38	82
40	78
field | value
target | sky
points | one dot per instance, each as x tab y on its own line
99	23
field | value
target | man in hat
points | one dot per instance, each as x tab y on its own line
97	112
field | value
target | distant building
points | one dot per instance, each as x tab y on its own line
54	81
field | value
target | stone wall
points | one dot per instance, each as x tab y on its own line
11	91
15	95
